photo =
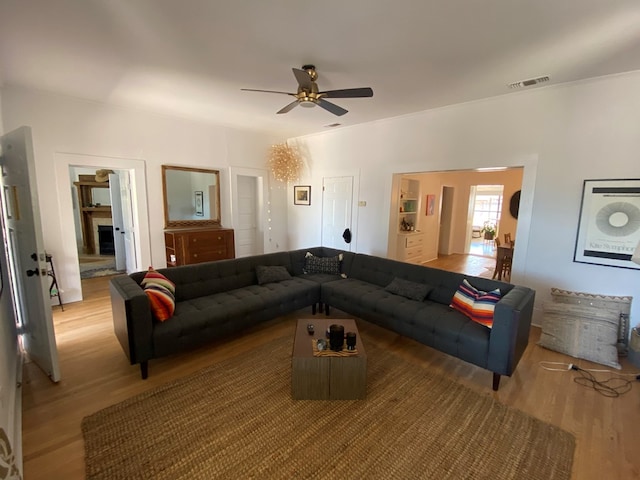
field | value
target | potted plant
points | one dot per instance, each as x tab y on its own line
489	231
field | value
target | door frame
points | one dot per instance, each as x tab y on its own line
68	266
355	196
347	247
262	187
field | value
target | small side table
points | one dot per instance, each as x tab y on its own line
54	290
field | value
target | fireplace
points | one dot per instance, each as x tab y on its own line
105	240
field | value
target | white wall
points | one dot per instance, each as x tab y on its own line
64	125
562	135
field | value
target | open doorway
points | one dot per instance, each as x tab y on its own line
485	213
133	182
96	223
451	229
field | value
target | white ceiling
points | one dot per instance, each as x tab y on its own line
191	57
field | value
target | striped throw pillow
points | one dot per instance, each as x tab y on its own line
161	292
479	306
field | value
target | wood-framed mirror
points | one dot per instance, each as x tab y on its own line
191	196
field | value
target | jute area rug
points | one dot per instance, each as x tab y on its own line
236	419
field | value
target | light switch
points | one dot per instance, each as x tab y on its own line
362	203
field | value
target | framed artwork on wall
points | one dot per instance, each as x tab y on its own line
199	204
609	224
302	195
431	204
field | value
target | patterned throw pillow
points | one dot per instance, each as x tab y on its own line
476	304
581	331
271	274
161	292
409	289
330	265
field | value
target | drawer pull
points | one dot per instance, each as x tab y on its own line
219	238
195	255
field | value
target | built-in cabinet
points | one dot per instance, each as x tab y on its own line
186	246
410	247
409	239
408	205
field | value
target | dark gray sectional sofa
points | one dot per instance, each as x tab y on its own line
216	299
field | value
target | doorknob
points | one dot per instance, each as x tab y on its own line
31	273
347	235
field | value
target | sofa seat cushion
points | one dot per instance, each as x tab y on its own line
431	323
452	332
321	277
202	319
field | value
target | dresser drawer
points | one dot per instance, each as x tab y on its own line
413	241
413	252
208	255
197	239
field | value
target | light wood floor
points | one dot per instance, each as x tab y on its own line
95	374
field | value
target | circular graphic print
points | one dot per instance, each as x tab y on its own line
514	204
618	219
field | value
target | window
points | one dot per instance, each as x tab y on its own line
488	205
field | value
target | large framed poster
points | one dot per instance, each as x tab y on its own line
609	226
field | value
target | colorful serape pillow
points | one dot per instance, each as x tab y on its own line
479	306
161	292
330	265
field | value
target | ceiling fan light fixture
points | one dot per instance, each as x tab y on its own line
308	94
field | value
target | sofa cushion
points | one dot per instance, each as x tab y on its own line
271	274
476	304
161	293
409	289
330	265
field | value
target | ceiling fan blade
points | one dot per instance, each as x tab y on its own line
303	78
332	107
265	91
348	93
289	107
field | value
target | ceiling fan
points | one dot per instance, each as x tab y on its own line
309	96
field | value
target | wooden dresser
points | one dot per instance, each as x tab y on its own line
186	246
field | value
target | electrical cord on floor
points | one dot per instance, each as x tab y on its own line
612	387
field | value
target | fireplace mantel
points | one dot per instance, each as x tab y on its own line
91	214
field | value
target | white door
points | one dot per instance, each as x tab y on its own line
446	221
118	222
337	200
129	233
246	232
30	282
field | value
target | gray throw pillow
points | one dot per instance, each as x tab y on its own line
409	289
271	274
581	331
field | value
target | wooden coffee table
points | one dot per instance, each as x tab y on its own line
325	377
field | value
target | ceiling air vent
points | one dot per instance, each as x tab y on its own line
333	125
529	82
